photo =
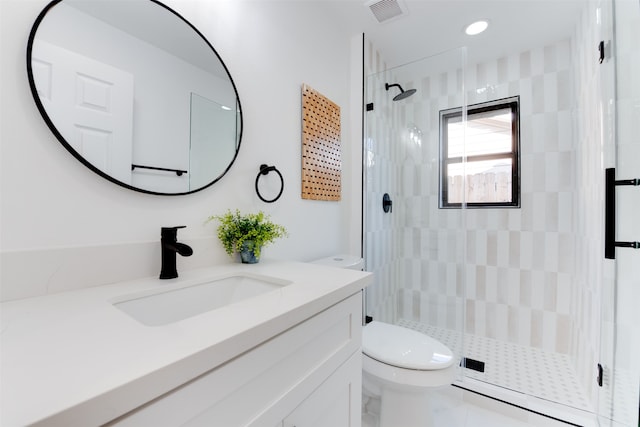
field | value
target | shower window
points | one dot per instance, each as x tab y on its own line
479	159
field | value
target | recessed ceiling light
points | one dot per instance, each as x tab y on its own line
476	28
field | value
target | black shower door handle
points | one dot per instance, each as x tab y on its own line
610	243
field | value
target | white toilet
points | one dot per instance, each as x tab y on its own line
400	365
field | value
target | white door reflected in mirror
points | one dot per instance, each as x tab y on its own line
91	104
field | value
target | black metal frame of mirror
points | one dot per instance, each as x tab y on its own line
63	141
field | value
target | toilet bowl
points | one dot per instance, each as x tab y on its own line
400	365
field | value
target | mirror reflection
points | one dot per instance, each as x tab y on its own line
136	93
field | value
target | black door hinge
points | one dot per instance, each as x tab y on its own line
370	106
604	51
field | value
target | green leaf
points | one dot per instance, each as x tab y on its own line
236	228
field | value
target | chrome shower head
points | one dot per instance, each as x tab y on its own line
403	93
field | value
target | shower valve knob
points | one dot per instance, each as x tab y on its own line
386	203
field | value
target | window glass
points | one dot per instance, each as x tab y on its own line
488	132
480	158
490	181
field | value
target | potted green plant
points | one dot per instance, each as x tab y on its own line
246	233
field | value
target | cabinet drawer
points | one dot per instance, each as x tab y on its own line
263	382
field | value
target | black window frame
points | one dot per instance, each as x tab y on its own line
513	103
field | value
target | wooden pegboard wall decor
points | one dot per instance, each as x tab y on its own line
321	162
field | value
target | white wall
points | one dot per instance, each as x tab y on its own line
62	226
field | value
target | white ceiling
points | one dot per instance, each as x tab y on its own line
434	26
429	27
157	26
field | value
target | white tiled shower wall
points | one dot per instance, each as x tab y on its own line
532	275
381	249
518	263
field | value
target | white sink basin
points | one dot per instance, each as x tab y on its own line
161	307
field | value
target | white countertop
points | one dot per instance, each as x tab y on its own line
74	359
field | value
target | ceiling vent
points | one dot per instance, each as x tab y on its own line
385	10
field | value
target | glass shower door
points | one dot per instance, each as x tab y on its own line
415	249
618	373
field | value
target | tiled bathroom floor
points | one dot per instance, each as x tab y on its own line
451	408
461	415
531	371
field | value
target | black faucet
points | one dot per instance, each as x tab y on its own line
170	245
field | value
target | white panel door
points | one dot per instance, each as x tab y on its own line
90	104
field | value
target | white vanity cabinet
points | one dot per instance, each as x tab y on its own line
307	375
336	403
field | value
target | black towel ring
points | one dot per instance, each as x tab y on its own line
264	169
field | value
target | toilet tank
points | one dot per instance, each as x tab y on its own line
350	262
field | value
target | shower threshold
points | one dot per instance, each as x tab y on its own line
556	414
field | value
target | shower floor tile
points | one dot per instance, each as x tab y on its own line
527	370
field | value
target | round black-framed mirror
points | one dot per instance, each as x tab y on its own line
136	93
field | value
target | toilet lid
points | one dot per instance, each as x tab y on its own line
404	348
